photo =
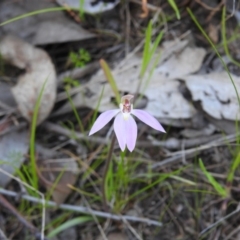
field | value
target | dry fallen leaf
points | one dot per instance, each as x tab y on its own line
62	30
39	68
51	27
188	60
65	169
114	236
162	92
216	94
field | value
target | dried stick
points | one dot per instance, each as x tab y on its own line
14	211
84	209
220	221
170	143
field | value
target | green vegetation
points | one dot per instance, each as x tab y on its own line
130	179
80	58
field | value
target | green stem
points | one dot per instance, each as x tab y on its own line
105	174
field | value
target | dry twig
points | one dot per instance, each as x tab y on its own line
85	210
4	202
220	221
170	143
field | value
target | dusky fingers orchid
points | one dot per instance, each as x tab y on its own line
125	126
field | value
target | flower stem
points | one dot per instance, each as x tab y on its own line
105	174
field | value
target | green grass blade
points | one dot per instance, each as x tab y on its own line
33	136
156	43
110	79
147	45
41	11
109	183
68	224
97	107
144	189
81	9
160	179
225	44
236	161
150	74
75	111
175	8
148	53
235	165
58	220
80	124
53	186
184	180
219	189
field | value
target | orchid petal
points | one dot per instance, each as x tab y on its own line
102	120
131	130
148	119
120	131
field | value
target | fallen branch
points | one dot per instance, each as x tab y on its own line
176	156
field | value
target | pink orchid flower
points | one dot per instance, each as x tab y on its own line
125	126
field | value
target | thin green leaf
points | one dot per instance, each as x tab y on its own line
225	43
175	8
235	165
81	9
148	55
97	107
220	190
156	43
68	224
150	74
146	49
160	179
41	11
110	79
32	138
80	124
